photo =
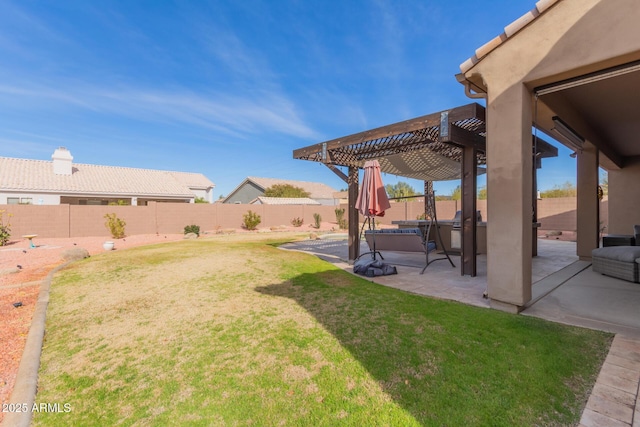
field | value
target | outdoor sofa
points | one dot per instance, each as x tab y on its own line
622	262
400	240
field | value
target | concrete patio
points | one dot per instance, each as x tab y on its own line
564	290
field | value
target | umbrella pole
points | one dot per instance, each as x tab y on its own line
374	236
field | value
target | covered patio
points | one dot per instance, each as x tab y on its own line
571	69
445	145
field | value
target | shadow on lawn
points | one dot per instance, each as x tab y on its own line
448	363
390	344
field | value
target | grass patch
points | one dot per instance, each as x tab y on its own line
231	331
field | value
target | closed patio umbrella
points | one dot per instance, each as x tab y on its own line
372	199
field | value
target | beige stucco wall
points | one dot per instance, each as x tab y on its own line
624	188
572	38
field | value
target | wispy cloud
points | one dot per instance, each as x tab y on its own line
221	112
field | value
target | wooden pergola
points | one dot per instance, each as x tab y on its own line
441	146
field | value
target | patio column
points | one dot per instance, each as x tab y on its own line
354	218
509	197
588	215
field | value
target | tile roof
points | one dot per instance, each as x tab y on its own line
509	31
284	201
37	175
316	190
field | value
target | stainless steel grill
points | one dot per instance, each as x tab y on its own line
456	229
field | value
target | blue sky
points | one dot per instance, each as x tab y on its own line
230	88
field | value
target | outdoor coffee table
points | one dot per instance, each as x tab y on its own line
30	237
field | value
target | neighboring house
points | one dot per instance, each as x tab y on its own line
253	187
283	201
60	181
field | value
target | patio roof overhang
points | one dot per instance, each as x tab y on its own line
441	146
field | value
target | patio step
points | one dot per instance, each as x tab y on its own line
545	286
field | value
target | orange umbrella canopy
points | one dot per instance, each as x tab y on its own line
372	198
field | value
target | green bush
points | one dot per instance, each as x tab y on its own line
5	228
115	225
250	220
297	222
340	219
195	229
317	220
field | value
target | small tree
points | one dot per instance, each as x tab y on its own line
250	220
399	191
5	228
285	190
565	190
456	193
482	193
115	225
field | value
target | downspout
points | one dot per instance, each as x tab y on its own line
477	91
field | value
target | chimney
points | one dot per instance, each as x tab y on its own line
62	161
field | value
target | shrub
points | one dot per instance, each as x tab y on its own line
195	229
250	220
297	222
340	219
115	225
5	228
285	190
200	200
317	220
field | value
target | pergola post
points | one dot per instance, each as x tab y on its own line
469	209
354	218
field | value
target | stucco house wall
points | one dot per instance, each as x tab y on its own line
556	41
245	194
624	189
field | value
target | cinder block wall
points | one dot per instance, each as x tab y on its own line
80	221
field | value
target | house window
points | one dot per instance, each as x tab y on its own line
19	200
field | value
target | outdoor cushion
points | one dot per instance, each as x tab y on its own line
618	253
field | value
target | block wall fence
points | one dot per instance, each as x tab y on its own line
82	221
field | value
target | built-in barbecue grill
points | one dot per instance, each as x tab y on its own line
456	230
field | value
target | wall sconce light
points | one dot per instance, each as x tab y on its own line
573	140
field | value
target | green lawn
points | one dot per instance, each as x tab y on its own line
234	331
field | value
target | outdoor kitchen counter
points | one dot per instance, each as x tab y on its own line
446	227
